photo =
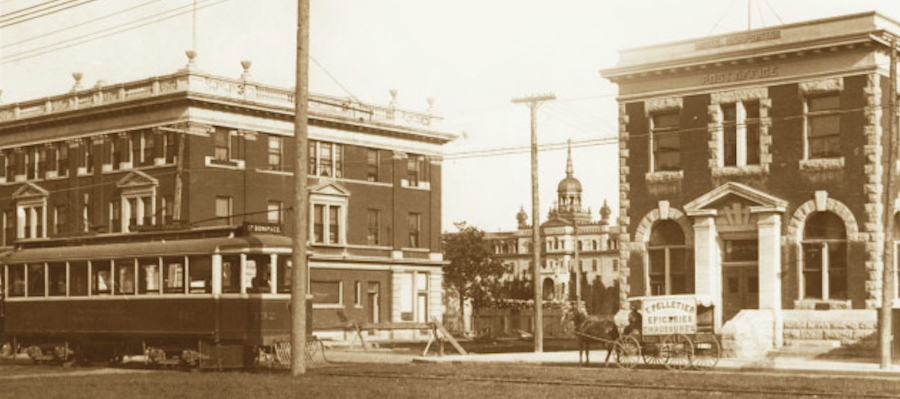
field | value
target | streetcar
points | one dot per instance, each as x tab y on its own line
208	297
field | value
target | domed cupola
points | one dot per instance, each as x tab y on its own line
569	194
522	218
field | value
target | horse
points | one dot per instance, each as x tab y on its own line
590	329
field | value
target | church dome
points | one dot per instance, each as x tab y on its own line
569	185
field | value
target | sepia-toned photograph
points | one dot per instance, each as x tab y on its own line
449	199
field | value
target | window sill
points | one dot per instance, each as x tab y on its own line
237	164
415	249
327	306
822	164
738	171
322	244
820	304
274	172
664	177
422	185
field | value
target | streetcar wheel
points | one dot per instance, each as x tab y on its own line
678	351
628	352
707	351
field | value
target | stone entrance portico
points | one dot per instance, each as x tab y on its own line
734	211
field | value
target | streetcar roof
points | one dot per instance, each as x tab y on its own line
148	249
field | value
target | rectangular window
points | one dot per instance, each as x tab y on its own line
62	159
137	155
666	142
231	274
256	274
414	225
357	295
657	272
224	207
165	209
823	127
30	162
101	277
171	147
86	214
751	109
284	273
87	155
60	217
148	276
149	148
276	148
4	165
125	278
78	278
325	160
115	216
313	159
730	127
274	214
338	160
200	278
50	158
132	213
147	204
16	280
372	163
327	292
319	223
333	224
173	275
812	270
36	283
9	227
222	145
373	218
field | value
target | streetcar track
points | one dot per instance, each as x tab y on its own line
619	385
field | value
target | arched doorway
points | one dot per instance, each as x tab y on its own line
548	289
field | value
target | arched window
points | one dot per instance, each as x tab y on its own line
824	257
668	269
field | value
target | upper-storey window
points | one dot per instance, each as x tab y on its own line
170	146
326	159
276	152
823	126
327	224
372	162
417	170
740	135
666	142
87	155
62	159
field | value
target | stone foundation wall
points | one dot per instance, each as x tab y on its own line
749	335
853	328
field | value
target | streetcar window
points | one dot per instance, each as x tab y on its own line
101	278
231	273
78	278
256	276
148	276
57	274
125	277
16	280
36	279
284	273
201	274
173	275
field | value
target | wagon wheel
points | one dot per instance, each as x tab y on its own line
651	354
706	351
628	352
677	350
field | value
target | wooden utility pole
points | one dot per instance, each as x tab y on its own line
533	103
300	229
887	280
578	272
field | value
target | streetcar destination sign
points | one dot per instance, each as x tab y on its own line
667	315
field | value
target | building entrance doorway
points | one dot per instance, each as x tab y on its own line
740	276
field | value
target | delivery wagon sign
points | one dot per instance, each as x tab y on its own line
669	315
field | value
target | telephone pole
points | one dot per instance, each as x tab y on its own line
299	260
887	283
533	103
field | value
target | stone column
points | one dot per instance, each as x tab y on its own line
770	268
708	270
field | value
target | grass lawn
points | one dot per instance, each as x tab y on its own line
417	380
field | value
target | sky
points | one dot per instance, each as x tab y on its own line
471	56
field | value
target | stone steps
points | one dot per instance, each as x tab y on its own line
810	349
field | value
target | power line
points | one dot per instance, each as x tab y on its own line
774	12
78	24
327	72
125	27
43	15
10	15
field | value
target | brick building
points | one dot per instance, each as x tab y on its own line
190	150
752	172
598	245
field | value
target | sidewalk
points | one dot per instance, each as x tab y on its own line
570	358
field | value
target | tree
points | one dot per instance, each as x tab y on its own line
472	272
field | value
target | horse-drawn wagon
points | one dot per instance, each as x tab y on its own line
675	331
